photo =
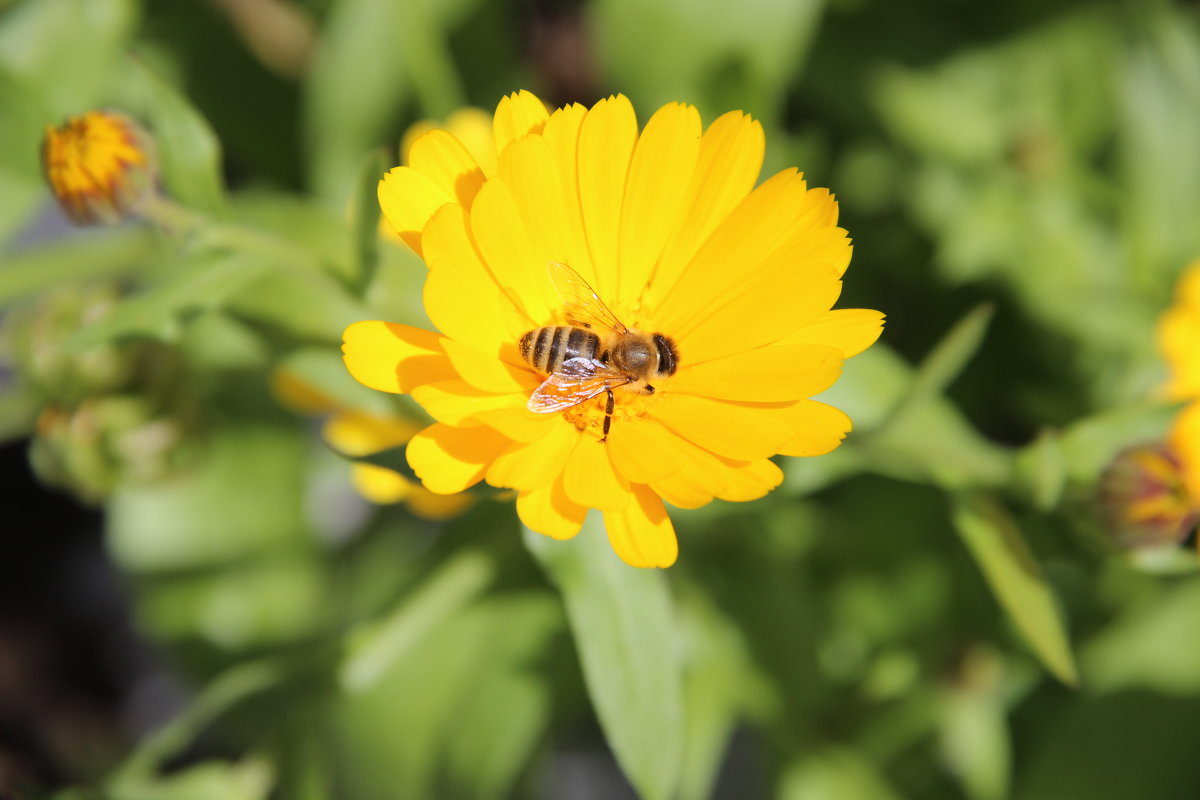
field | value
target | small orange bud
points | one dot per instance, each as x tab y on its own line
100	165
1144	497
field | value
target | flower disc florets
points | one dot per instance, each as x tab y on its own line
666	227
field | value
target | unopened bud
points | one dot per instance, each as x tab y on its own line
100	166
1144	497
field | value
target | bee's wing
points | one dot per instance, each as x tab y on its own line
580	380
583	306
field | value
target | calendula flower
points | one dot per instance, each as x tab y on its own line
100	165
358	434
728	287
1179	341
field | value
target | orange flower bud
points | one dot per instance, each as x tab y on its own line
1144	497
100	166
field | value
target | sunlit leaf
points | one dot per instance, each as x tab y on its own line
376	647
623	623
944	363
189	153
157	312
1016	579
73	258
1040	466
714	692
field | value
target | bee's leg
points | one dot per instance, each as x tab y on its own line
609	405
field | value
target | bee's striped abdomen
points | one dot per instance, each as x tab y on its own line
547	348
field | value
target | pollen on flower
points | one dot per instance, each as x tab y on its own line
99	165
628	406
662	231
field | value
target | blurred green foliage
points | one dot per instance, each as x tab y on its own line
930	611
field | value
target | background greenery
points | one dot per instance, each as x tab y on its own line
931	611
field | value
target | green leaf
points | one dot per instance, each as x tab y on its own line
250	779
356	85
202	285
74	258
223	693
240	495
714	692
1040	466
834	774
35	40
189	154
1152	646
623	623
719	55
365	216
458	716
944	362
1015	578
302	304
974	731
370	58
375	648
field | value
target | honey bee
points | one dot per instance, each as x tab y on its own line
593	354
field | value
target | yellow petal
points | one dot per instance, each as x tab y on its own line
456	402
702	477
642	534
850	330
768	307
727	429
591	481
517	114
779	218
297	394
526	466
773	373
491	373
531	172
751	480
660	175
394	358
504	242
731	154
428	505
408	199
643	451
447	162
378	484
550	512
357	433
818	428
486	315
562	135
519	424
473	127
606	142
449	459
1185	440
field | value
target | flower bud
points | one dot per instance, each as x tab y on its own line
1144	497
100	166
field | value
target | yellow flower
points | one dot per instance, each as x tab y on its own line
666	225
359	434
99	165
1179	341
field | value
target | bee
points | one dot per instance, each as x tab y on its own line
593	354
